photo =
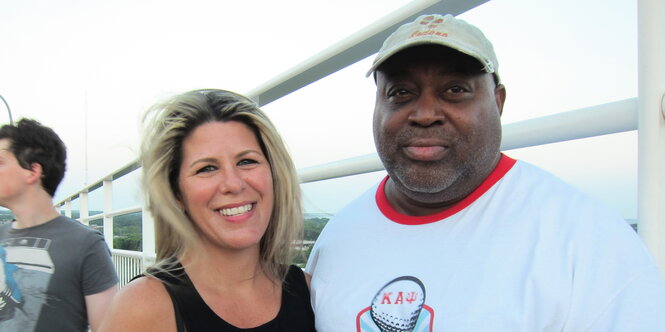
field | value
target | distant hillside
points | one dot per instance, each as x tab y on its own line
309	215
313	227
127	229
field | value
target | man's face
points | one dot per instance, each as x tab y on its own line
437	123
12	175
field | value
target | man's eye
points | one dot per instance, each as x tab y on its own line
206	169
398	92
457	89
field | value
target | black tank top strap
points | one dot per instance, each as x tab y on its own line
195	313
171	279
296	313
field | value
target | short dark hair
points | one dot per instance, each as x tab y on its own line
31	142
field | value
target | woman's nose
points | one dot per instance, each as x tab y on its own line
231	182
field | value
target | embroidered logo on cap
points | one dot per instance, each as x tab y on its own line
431	23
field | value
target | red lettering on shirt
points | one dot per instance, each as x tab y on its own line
412	297
400	298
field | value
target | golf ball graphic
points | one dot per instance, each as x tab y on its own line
396	307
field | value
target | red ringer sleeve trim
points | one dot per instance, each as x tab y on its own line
504	165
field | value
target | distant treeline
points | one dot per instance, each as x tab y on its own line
127	231
313	227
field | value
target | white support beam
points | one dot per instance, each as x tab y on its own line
107	186
352	166
84	209
651	127
354	48
148	237
615	117
68	208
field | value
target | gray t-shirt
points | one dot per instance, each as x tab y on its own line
45	273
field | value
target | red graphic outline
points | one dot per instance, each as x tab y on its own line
425	307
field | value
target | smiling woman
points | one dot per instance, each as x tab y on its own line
224	195
225	185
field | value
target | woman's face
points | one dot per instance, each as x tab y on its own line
226	185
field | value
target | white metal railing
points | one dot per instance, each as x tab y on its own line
129	264
645	113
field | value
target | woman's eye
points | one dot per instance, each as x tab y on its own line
247	162
206	169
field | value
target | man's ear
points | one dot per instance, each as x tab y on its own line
500	97
35	173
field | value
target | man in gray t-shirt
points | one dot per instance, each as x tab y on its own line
55	273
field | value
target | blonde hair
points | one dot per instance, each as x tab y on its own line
167	126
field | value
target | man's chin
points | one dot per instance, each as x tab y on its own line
426	183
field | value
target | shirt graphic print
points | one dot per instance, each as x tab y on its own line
399	306
26	272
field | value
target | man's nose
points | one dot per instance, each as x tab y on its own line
428	111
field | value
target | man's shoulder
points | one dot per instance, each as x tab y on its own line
68	228
531	187
364	202
64	221
527	174
532	170
357	211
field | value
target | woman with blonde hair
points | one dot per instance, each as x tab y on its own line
225	200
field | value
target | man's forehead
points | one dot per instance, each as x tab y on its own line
444	59
5	144
438	69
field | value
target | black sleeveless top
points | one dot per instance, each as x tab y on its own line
194	315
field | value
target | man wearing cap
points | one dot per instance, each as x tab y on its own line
459	236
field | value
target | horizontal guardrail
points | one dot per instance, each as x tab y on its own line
610	118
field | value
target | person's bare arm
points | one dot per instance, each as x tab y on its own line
143	305
308	278
98	304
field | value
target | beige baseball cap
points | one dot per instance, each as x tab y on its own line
441	30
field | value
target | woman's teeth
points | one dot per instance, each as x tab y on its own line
236	210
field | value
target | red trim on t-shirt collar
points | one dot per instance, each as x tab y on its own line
504	165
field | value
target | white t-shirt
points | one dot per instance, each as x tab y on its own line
524	252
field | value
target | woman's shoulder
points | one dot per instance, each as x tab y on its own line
141	305
146	285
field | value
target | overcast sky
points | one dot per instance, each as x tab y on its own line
90	68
